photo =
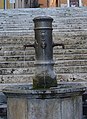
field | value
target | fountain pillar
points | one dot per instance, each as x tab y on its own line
44	74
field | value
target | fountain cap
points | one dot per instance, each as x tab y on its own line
43	18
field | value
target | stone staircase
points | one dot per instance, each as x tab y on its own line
16	29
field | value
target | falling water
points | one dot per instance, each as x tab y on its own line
24	58
44	68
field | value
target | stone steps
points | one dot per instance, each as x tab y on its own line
32	57
60	24
16	30
56	51
30	64
29	22
16	64
63	32
67	63
55	26
30	71
66	19
17	58
65	37
65	11
15	79
70	43
5	79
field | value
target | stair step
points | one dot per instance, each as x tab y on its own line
31	70
5	79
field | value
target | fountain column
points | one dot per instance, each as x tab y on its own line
44	74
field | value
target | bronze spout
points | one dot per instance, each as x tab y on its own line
29	45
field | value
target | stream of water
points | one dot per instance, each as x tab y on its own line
24	59
44	69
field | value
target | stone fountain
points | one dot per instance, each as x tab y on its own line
45	99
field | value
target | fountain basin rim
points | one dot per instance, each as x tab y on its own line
62	90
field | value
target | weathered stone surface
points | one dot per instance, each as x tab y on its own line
15	79
62	102
44	109
20	108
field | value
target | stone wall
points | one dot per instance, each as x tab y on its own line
69	28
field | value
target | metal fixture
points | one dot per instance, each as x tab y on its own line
44	73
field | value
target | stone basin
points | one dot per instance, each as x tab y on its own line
61	102
62	88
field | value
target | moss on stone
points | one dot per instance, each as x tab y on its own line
40	82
